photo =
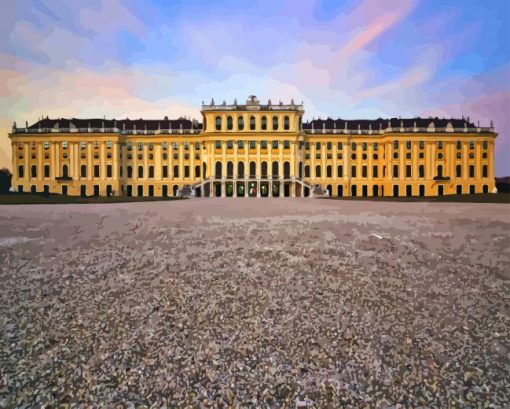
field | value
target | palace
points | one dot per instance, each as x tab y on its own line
254	150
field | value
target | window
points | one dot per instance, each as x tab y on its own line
109	144
96	144
275	123
439	145
151	171
421	171
376	146
353	171
263	144
286	123
275	144
33	171
395	144
165	171
240	123
459	145
340	171
175	146
375	172
46	171
140	146
46	145
263	124
376	156
485	144
96	171
252	144
364	172
108	171
458	171
286	144
64	144
230	144
364	146
329	146
471	171
440	171
318	171
422	145
317	146
83	145
129	171
218	123
329	172
395	155
186	171
230	123
353	156
340	146
140	172
21	171
471	144
307	171
217	144
307	146
353	146
484	171
252	123
408	171
240	144
395	171
408	145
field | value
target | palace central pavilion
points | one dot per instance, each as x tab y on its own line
254	150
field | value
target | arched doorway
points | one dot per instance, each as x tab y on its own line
375	190
330	190
340	190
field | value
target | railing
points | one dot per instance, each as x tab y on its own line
259	106
108	130
396	129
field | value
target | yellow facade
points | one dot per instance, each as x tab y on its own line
253	150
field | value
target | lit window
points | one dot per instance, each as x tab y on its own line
64	144
46	145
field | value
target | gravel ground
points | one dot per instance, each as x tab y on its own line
266	303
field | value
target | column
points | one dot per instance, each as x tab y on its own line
102	156
211	193
465	154
222	188
89	161
478	161
157	160
258	188
53	161
26	154
116	161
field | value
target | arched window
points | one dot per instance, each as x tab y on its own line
286	123
275	123
21	172
421	171
440	171
300	170
197	171
286	170
240	170
83	171
176	171
33	171
218	123
318	171
263	124
65	171
340	171
151	171
307	171
253	170
252	123
329	172
275	169
230	170
230	123
458	171
218	170
395	171
240	123
140	171
263	169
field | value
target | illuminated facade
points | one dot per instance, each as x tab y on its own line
254	150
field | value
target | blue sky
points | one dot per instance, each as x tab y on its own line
350	59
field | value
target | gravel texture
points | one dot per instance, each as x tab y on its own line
263	303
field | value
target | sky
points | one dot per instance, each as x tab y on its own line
350	59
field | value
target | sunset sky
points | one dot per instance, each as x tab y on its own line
349	59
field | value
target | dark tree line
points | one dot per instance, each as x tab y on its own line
5	180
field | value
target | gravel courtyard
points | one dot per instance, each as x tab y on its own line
262	303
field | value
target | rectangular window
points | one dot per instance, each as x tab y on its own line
353	146
186	146
422	145
286	144
317	146
375	171
240	144
263	144
165	171
230	144
217	145
175	146
459	145
484	171
109	144
439	145
408	171
96	171
275	144
307	146
164	146
364	172
329	146
408	145
46	171
64	144
96	144
186	171
46	145
353	171
376	146
129	146
395	144
140	146
21	171
471	171
485	144
252	144
108	171
339	146
471	144
421	171
395	171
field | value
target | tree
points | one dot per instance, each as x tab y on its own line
5	180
